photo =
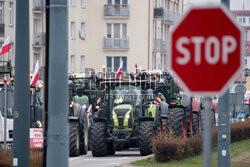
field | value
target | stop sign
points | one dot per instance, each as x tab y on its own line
206	50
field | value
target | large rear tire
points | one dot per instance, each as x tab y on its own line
97	139
84	137
74	139
176	121
195	123
145	137
202	120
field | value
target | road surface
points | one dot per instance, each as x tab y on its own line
120	157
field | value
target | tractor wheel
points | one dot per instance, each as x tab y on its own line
177	121
213	121
195	123
97	139
202	120
111	149
74	139
145	137
164	125
85	137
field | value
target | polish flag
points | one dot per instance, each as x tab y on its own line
158	100
5	47
118	74
5	80
35	75
98	100
89	109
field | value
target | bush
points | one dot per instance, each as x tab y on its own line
170	147
36	157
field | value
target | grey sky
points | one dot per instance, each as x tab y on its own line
234	4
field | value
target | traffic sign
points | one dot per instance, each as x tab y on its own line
206	48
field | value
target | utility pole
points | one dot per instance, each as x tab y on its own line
58	133
224	135
21	142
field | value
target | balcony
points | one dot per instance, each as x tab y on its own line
116	11
38	40
116	43
170	17
2	30
157	45
37	6
160	46
158	13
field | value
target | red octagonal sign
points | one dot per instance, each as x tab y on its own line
206	48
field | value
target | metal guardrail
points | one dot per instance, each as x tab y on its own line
116	11
38	39
116	43
37	6
170	16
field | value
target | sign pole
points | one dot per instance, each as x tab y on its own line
5	114
223	138
207	133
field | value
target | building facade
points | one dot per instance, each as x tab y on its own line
135	32
7	28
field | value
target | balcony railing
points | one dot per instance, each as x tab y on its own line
37	6
38	39
117	11
157	45
160	46
2	29
116	43
170	16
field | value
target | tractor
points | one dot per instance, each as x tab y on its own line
82	98
127	117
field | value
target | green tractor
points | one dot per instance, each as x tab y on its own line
80	116
127	117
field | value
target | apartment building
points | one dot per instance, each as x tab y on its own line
106	32
134	32
37	35
243	17
7	28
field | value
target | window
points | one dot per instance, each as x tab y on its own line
244	19
72	63
83	3
11	14
11	52
240	20
73	2
117	30
37	26
73	30
83	31
117	2
37	57
83	64
113	63
1	12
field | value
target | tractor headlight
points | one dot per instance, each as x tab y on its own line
71	104
127	116
242	119
97	107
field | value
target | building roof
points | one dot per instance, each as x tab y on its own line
240	12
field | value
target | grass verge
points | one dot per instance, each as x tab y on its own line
238	149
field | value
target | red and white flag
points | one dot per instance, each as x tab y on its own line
98	100
118	74
5	47
89	109
158	99
5	80
35	75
